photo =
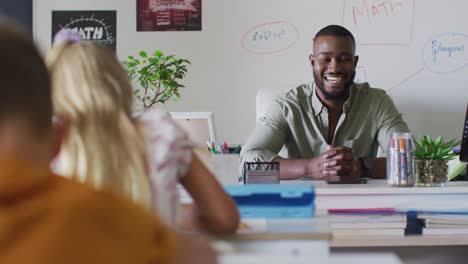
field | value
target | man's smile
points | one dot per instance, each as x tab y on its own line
334	79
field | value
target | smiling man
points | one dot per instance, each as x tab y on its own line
329	129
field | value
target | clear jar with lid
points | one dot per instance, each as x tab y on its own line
400	161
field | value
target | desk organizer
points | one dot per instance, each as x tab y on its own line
273	200
261	172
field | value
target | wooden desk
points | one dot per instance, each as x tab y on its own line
376	193
411	249
381	258
287	229
378	187
395	241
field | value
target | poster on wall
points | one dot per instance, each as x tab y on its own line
169	15
95	26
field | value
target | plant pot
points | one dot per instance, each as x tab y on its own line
431	173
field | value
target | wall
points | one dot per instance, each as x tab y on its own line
404	47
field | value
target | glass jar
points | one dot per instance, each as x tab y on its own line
400	161
432	173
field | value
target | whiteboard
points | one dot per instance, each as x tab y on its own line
414	49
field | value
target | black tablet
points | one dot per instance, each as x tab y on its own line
354	181
464	143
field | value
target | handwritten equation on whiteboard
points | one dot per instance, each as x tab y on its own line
380	22
270	37
446	53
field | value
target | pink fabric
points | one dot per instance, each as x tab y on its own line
169	156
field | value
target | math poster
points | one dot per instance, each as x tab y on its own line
169	15
95	26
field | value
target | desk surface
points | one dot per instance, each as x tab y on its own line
379	187
376	193
286	229
389	241
349	258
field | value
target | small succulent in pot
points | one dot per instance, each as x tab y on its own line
432	155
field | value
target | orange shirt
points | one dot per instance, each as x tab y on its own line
45	218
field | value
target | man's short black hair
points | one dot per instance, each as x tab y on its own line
335	30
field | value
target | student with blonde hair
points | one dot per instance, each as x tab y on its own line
143	157
46	218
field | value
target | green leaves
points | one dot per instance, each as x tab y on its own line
158	53
158	76
435	149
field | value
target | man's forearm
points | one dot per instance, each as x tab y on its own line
292	169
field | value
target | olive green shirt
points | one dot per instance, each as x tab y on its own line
297	124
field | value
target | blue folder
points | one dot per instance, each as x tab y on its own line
273	200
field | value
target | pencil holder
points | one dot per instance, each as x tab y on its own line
400	161
261	172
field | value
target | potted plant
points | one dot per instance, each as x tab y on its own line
158	76
431	157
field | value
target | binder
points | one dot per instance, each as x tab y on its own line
273	200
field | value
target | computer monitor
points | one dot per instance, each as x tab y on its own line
464	143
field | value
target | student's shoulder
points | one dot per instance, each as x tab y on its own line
74	201
119	227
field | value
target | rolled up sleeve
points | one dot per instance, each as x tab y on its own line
267	138
391	121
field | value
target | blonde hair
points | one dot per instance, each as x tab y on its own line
104	147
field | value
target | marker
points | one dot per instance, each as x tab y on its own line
237	150
395	165
219	148
213	147
210	147
403	165
225	148
409	159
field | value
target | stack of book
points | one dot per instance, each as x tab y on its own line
367	222
444	223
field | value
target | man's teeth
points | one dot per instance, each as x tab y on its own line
333	79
